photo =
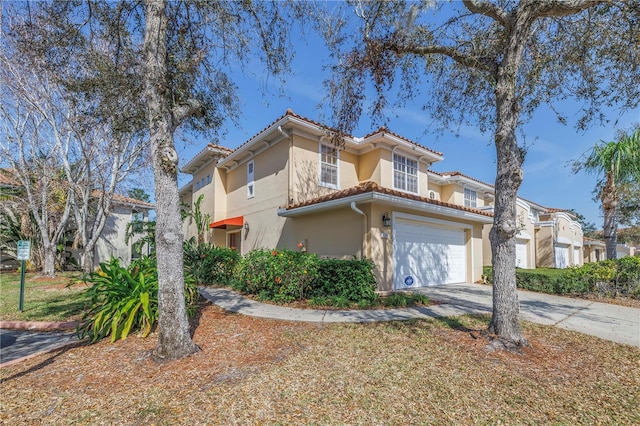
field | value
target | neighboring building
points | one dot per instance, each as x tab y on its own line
124	210
559	238
546	238
289	187
594	250
624	250
112	240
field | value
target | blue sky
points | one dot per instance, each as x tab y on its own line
548	180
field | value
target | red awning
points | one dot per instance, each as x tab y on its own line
232	221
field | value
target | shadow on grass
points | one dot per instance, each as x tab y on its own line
60	307
476	322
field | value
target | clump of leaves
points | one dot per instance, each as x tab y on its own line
125	299
208	264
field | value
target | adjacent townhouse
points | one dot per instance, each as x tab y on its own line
112	241
546	238
289	187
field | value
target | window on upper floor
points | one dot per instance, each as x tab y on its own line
470	198
405	174
328	166
202	182
250	180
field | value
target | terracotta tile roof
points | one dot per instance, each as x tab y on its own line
288	113
369	186
6	178
384	129
457	173
552	210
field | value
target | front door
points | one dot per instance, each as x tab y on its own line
234	242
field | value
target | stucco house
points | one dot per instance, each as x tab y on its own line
288	187
546	238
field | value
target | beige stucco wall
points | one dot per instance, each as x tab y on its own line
369	167
594	253
544	246
112	240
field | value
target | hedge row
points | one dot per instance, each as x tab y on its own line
283	275
606	278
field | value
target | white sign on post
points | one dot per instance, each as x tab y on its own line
24	250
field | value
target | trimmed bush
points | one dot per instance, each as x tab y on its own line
125	299
277	275
607	278
350	280
208	264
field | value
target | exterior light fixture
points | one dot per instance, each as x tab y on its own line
246	227
386	220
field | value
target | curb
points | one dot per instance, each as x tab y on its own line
33	355
38	325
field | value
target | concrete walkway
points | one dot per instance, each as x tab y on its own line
611	322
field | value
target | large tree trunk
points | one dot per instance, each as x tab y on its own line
609	198
86	259
505	322
49	265
174	339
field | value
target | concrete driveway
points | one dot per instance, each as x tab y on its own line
611	322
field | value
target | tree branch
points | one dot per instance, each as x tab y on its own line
558	8
480	63
191	107
487	9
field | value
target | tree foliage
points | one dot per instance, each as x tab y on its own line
617	163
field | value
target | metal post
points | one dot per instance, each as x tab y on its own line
21	303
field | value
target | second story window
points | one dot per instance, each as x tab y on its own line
250	183
470	198
405	174
328	166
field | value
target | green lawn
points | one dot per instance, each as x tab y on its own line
45	299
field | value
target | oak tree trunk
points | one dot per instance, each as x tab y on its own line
174	339
505	321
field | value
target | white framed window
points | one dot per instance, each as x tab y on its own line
329	166
405	174
250	180
470	198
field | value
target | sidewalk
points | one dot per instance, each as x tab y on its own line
611	322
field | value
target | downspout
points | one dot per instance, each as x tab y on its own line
290	174
364	228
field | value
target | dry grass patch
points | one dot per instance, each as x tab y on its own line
258	371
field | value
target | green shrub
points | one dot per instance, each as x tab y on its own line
352	280
208	264
125	299
606	278
277	275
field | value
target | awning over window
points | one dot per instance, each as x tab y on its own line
232	221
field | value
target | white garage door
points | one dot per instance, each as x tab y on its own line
562	256
427	255
521	254
576	256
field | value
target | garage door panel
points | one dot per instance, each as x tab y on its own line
562	256
521	254
428	255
